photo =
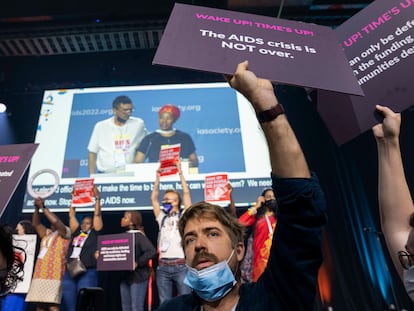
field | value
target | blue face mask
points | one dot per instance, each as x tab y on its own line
211	283
167	207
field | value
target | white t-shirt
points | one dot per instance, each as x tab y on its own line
169	240
115	145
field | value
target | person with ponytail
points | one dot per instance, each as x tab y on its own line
134	284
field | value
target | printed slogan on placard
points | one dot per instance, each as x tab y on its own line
392	48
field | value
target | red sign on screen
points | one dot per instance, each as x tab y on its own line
169	156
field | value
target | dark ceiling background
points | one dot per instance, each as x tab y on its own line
51	28
46	44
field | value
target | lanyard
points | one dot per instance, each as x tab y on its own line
80	240
269	225
49	239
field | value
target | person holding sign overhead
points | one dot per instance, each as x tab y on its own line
166	135
171	268
213	240
83	247
395	201
46	286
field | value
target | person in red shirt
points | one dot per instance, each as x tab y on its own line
262	217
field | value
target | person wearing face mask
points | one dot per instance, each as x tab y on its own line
83	247
171	268
113	141
395	202
262	218
213	240
167	135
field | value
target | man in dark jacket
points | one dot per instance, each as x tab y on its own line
213	240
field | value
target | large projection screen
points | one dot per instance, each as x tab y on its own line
221	122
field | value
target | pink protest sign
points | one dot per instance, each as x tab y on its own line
283	51
14	160
379	43
116	252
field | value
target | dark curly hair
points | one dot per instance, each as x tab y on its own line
15	258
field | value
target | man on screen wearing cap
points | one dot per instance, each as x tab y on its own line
166	135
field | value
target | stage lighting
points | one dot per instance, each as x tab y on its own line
3	108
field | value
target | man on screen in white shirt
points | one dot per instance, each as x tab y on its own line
114	140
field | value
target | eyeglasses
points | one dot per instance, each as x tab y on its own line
126	109
405	259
